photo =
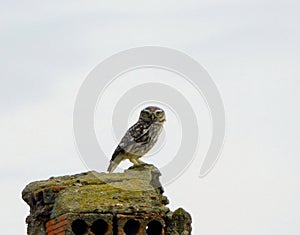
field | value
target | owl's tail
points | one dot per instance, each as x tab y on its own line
114	163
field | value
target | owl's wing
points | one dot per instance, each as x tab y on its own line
138	133
117	151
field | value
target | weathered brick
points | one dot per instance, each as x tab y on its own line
58	225
58	188
60	229
50	223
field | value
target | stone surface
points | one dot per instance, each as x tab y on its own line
136	192
179	222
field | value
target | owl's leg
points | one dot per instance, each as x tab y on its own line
135	161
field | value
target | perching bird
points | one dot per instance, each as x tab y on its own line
139	138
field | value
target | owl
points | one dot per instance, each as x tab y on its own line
139	138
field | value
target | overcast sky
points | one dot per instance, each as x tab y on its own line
250	49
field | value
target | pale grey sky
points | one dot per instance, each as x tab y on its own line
250	49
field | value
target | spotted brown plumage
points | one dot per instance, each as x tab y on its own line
139	138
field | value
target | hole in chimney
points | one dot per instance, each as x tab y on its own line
79	227
154	228
99	227
131	227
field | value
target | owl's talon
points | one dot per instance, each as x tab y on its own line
140	162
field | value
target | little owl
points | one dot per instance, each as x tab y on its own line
139	138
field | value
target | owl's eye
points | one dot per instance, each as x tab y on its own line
145	114
159	113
